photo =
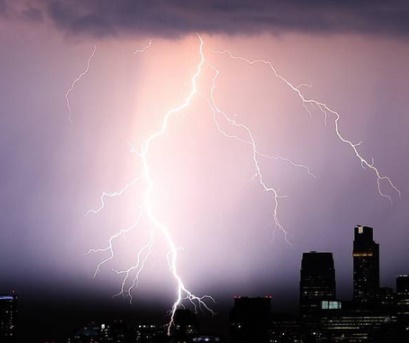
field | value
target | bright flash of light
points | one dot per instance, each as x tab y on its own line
132	275
182	291
67	99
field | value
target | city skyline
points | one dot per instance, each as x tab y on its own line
59	156
251	318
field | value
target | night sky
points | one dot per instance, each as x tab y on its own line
352	57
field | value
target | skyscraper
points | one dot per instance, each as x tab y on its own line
317	281
250	320
366	264
402	293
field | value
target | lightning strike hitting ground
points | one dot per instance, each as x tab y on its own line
132	275
67	100
148	208
182	291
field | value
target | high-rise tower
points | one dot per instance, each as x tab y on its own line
317	281
366	264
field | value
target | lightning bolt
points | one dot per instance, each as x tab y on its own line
258	175
67	99
112	195
182	292
139	51
325	110
131	276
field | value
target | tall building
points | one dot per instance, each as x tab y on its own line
317	281
185	327
250	320
117	331
402	298
8	317
151	333
366	264
351	323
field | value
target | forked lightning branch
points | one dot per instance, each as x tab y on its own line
244	136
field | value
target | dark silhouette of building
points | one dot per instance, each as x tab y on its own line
386	298
8	318
89	333
285	329
366	265
185	326
151	333
250	320
402	298
354	322
370	317
117	331
317	281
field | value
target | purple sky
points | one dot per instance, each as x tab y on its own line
354	59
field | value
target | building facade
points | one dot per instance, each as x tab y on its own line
366	264
250	320
402	298
317	281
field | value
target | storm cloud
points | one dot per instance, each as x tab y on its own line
173	18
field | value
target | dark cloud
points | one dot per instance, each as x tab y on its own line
179	17
32	14
4	8
21	9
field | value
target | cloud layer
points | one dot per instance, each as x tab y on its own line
172	18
